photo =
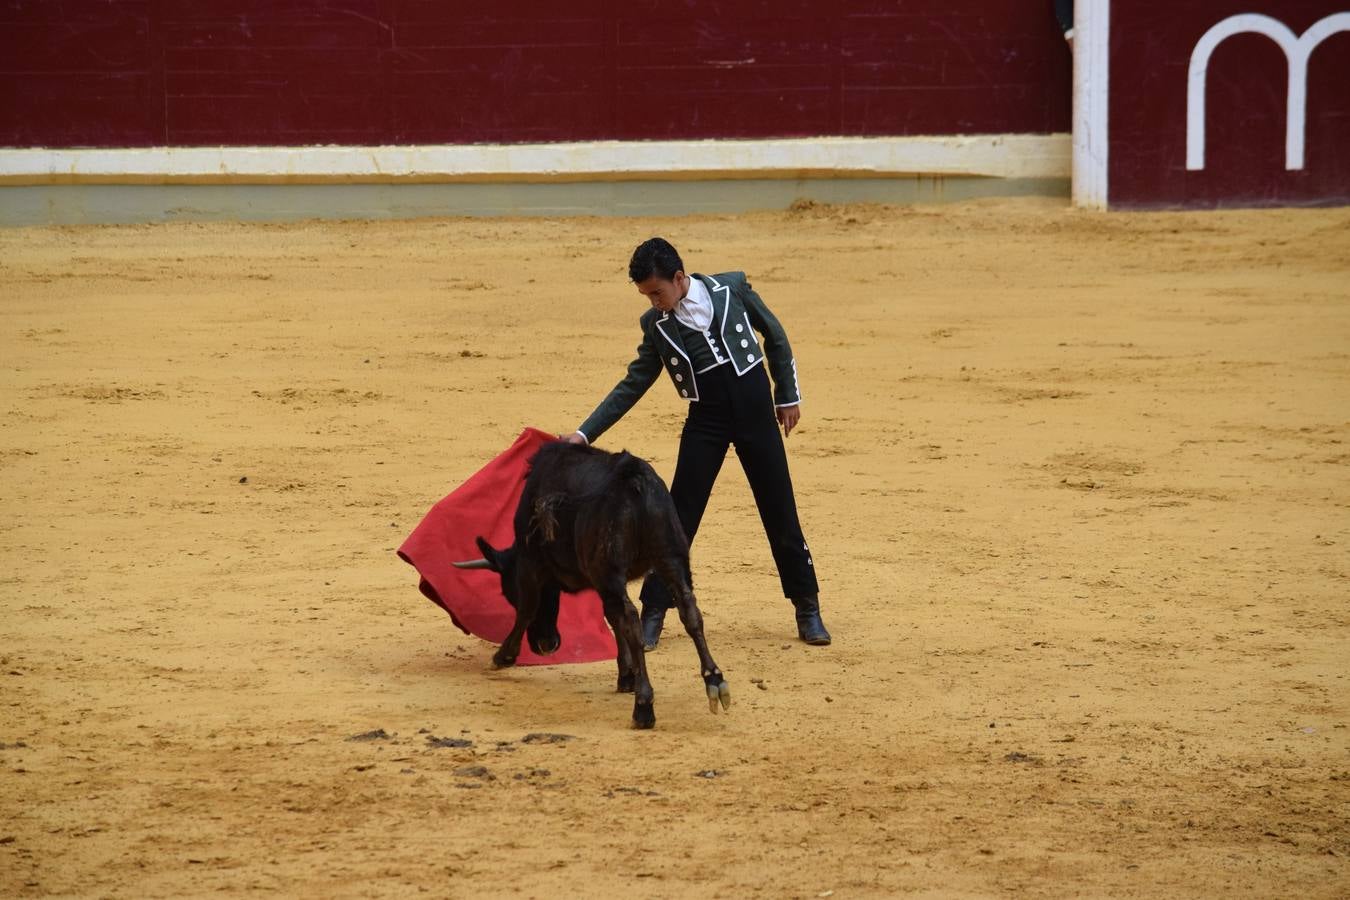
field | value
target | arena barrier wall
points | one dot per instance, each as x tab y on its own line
1212	103
140	73
405	92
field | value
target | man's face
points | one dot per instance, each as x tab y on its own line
663	294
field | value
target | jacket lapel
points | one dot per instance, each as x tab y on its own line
721	300
666	325
721	297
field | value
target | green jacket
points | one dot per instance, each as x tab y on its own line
738	313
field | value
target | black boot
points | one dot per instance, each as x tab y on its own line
809	626
653	617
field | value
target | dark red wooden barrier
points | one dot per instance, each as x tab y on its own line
140	73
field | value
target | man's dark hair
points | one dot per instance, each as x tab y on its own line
654	256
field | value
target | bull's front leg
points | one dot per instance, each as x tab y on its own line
623	617
527	606
542	632
713	681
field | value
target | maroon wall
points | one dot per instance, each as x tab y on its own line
1151	45
205	72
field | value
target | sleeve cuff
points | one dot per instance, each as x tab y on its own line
583	437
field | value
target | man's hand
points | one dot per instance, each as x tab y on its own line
573	438
788	416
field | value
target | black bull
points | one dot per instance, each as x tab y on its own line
592	519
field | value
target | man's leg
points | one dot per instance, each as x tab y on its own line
702	451
759	447
766	469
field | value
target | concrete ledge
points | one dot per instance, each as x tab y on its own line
109	204
995	156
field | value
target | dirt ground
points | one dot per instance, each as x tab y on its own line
1076	487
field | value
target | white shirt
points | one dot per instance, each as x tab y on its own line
695	310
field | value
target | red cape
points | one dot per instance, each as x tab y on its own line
486	505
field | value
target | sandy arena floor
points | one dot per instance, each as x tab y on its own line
1076	486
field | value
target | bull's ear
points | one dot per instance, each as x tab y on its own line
490	554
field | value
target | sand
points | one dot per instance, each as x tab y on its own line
1075	484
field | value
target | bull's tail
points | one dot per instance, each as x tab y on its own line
630	472
625	474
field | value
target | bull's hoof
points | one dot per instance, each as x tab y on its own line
627	683
644	716
718	690
546	645
502	661
719	694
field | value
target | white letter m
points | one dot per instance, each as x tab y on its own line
1296	52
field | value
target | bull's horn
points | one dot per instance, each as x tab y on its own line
472	564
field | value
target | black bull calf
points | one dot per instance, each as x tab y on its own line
591	519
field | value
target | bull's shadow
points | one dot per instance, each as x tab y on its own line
598	520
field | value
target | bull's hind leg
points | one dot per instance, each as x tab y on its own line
627	677
623	617
673	572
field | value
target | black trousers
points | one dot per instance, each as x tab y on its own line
738	410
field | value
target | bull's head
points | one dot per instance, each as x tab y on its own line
542	627
494	559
